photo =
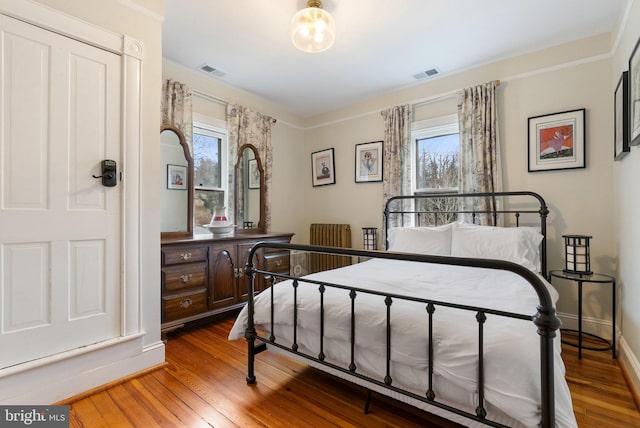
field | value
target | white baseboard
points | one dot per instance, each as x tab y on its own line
595	326
630	364
68	374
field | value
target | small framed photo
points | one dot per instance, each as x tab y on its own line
323	168
369	162
634	96
253	174
557	141
176	177
621	118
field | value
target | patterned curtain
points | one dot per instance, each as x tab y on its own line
246	126
396	169
479	147
176	108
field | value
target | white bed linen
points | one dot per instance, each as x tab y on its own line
511	347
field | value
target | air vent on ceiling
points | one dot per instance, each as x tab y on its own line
428	73
211	70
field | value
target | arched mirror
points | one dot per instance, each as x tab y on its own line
249	210
176	195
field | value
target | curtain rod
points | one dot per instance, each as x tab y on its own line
217	100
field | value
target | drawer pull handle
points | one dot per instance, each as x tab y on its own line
185	303
185	256
186	278
278	263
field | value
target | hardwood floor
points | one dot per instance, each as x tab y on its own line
203	385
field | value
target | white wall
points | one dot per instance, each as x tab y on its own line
626	213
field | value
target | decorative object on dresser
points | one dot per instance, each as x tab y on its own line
621	118
204	276
557	141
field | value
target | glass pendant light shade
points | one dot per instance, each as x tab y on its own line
312	29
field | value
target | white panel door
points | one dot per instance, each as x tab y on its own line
60	252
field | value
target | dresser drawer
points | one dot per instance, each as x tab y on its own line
183	306
184	276
277	262
172	256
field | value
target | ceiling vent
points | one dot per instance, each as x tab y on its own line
428	73
211	70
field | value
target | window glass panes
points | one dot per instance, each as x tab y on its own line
207	161
438	162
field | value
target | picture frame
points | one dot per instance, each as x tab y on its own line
368	162
621	118
253	174
323	168
557	141
176	177
634	96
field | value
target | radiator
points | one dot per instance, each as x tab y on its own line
329	235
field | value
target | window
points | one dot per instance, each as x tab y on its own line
436	162
209	171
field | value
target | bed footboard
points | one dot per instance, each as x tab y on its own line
544	319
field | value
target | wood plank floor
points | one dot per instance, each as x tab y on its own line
203	386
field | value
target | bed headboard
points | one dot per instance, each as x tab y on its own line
521	208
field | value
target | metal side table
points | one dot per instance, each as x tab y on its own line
596	278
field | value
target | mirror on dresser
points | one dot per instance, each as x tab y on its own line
249	190
176	194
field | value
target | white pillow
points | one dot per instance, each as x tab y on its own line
515	244
421	240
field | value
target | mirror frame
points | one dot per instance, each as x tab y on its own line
238	166
190	184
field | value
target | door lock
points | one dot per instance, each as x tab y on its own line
109	178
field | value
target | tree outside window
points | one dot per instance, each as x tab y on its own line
208	166
437	168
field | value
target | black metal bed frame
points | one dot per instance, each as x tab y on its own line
544	319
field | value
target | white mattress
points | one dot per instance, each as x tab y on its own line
511	346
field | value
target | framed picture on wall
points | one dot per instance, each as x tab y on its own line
369	162
176	177
323	168
621	118
634	96
557	141
253	174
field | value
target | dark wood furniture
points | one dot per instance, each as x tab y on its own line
204	276
595	278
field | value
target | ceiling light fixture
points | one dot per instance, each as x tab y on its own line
312	29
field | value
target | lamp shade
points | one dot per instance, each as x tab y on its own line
370	238
313	29
577	254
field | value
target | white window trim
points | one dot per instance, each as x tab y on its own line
442	125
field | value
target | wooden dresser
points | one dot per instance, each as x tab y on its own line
203	276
